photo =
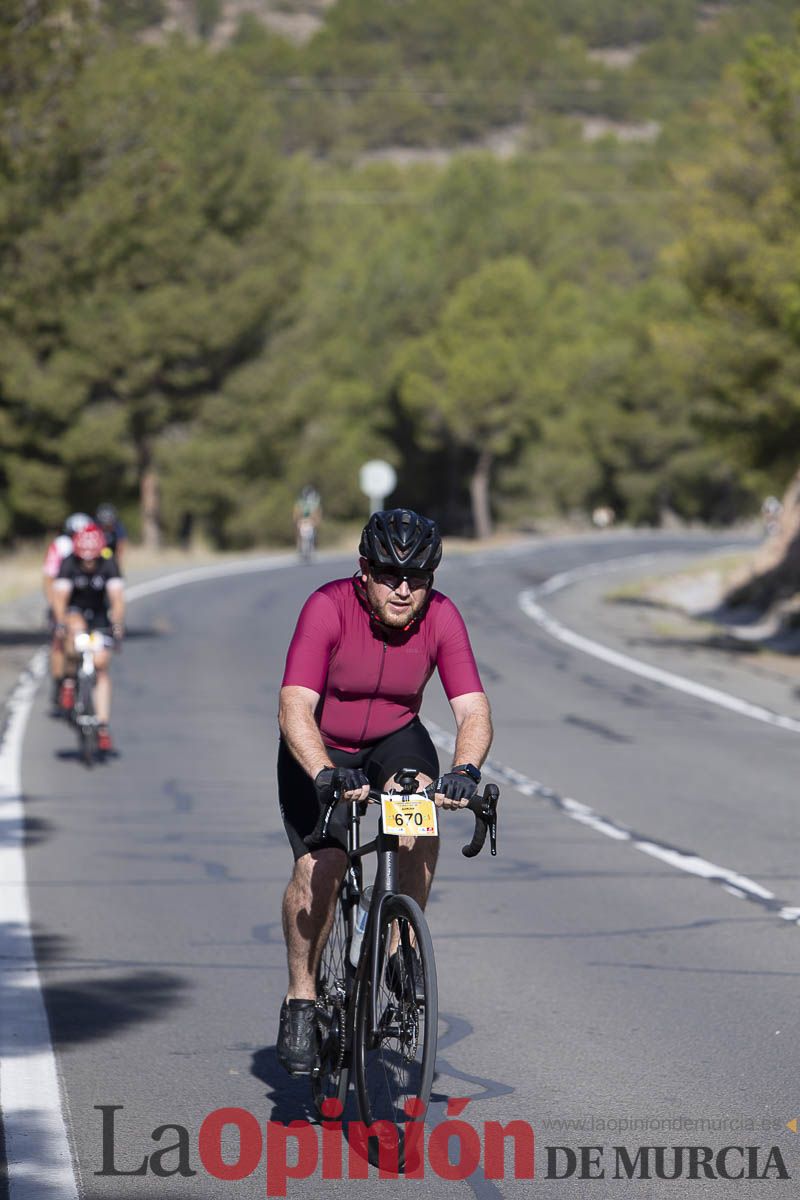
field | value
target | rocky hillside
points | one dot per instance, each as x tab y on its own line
218	20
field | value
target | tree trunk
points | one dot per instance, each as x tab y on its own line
775	571
479	495
150	503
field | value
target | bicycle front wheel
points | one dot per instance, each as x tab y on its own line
84	714
394	1047
332	1074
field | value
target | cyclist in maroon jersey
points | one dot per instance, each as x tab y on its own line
362	652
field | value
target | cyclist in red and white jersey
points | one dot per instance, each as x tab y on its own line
362	652
59	549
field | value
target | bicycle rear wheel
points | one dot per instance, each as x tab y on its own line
394	1059
331	1080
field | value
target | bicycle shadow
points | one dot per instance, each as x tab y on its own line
74	755
290	1095
292	1101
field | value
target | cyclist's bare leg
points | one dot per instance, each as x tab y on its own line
75	624
308	909
56	659
102	687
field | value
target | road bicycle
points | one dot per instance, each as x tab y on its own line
306	539
377	1018
83	715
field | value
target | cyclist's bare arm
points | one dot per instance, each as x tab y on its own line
116	606
62	590
300	731
48	588
473	728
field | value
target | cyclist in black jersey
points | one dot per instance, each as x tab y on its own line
89	594
116	534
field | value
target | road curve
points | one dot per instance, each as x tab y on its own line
584	987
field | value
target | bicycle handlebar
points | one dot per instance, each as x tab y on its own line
483	807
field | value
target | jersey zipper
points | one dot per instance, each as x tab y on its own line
375	692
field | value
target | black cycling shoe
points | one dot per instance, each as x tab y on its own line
297	1036
399	978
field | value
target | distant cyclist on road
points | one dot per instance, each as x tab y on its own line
115	532
361	655
307	516
89	595
59	549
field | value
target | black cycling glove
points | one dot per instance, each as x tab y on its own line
456	785
350	778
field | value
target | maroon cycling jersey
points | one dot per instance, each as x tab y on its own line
370	678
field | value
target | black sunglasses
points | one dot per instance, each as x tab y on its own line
392	578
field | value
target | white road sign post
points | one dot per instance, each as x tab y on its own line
377	480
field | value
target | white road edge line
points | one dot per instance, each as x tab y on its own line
529	603
37	1146
38	1154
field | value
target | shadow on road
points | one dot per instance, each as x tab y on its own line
291	1097
23	637
64	754
78	1010
33	832
31	1159
38	635
81	1012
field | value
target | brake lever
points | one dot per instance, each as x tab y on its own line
484	809
320	831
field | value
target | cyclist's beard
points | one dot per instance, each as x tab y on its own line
398	615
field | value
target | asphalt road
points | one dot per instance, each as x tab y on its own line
587	988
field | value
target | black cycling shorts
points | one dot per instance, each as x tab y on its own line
96	622
299	800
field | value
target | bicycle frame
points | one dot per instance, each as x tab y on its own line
83	714
386	845
86	644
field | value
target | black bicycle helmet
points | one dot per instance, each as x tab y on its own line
106	514
398	537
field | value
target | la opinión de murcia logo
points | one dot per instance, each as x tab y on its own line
451	1150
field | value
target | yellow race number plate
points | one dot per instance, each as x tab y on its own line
409	816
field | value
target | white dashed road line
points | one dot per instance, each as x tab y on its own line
682	860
